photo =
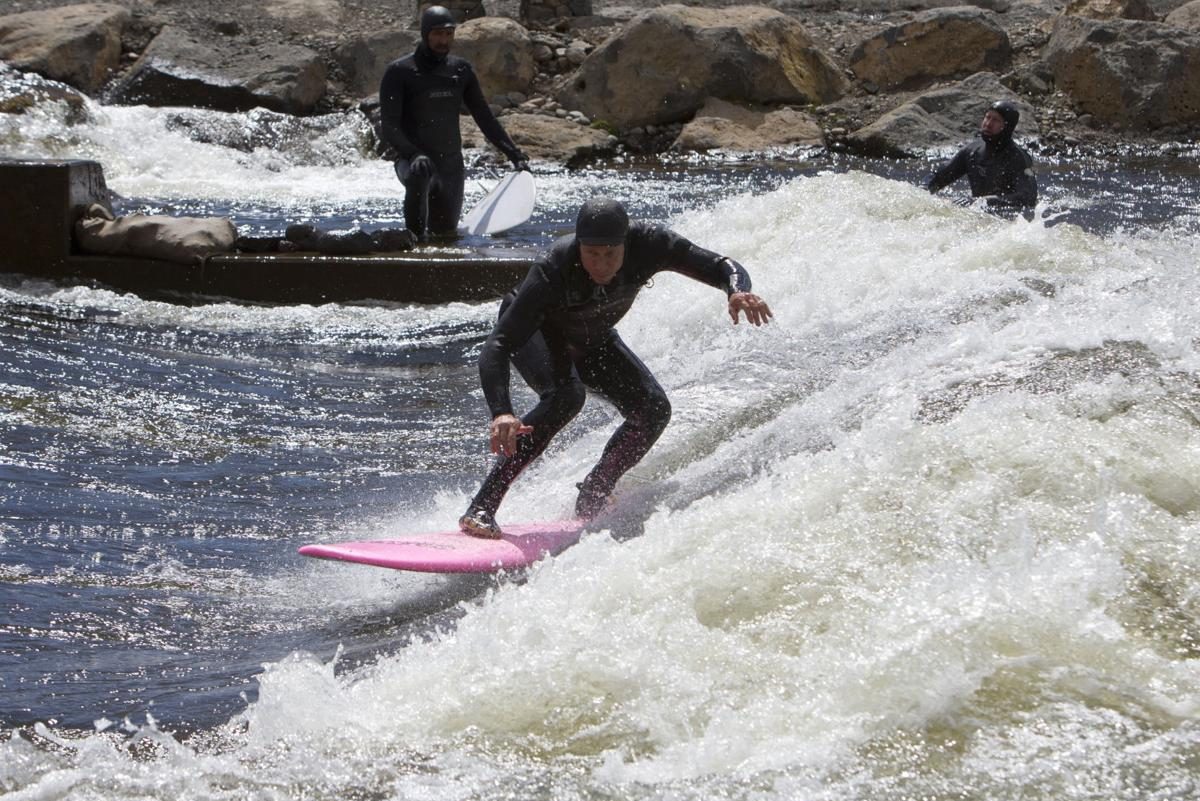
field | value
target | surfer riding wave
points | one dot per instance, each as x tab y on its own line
558	330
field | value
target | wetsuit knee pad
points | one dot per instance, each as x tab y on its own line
557	407
657	411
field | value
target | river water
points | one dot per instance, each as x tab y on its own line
932	534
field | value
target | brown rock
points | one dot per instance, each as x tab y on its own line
500	51
546	138
936	45
1141	76
79	45
666	62
726	126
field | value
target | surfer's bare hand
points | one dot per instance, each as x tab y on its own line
505	429
755	308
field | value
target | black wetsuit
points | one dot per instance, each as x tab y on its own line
420	97
557	329
1001	170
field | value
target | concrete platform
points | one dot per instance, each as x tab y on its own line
40	201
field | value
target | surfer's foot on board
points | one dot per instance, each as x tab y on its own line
591	501
479	523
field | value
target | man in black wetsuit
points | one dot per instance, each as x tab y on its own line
996	167
419	98
557	328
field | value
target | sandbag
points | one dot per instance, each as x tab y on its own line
176	239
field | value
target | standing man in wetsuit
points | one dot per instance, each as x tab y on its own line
996	167
557	329
419	98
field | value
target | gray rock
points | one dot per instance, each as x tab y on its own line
363	59
177	70
1186	17
304	16
943	117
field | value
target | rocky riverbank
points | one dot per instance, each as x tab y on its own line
579	80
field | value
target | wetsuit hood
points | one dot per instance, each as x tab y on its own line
1011	115
601	221
434	18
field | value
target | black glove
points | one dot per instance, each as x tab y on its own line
520	162
421	166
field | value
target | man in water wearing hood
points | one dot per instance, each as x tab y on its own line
419	98
996	167
557	329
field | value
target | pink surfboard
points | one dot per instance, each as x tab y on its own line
455	552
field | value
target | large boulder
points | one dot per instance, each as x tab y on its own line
936	45
1141	76
363	59
944	117
177	70
667	62
1111	9
720	125
501	51
1186	16
79	45
545	138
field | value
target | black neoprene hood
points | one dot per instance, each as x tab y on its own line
436	17
601	221
1009	112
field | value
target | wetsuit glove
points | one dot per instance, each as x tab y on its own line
421	166
520	162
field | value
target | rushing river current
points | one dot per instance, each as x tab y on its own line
932	534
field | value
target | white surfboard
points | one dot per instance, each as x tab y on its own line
508	205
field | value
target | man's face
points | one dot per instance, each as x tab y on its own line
992	123
440	40
601	262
